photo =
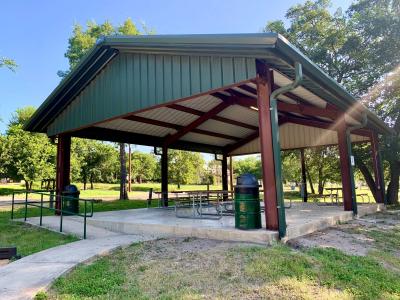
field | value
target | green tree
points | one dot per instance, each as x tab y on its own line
291	169
356	48
8	63
27	156
21	115
3	157
83	39
184	167
250	164
384	98
214	172
322	165
143	166
94	160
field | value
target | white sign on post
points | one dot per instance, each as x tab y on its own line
352	160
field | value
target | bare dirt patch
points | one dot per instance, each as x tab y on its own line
357	237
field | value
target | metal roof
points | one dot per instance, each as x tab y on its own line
270	47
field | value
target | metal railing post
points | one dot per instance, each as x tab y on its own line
41	209
51	203
84	223
26	205
61	212
12	206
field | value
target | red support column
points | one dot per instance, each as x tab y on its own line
345	167
267	154
164	176
63	166
376	162
231	172
303	175
224	175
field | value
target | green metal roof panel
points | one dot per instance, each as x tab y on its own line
134	81
212	60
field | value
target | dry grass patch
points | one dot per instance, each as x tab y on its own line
205	269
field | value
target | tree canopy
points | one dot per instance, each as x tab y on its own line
357	48
26	156
83	39
184	167
8	63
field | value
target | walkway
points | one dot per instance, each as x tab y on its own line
24	278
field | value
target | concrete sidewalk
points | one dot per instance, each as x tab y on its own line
24	278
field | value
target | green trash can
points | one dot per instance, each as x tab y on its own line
71	201
247	202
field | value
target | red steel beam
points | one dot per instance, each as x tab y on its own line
217	118
179	127
323	125
275	87
355	112
291	108
192	126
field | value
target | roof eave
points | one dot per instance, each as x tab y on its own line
344	99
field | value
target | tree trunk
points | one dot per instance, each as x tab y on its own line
123	193
91	182
310	182
368	177
26	185
392	193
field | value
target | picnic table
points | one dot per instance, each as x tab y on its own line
201	204
334	194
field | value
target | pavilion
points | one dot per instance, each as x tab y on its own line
229	94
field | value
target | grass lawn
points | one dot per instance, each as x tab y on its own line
112	190
28	239
188	268
199	269
108	189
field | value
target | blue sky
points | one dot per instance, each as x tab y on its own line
35	33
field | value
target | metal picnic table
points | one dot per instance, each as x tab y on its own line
209	204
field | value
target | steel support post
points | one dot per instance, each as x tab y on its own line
63	166
346	169
267	152
303	176
164	176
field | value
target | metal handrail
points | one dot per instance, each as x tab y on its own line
60	210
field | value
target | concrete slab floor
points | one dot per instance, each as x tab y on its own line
302	219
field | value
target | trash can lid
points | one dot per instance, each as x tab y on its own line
247	179
71	188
